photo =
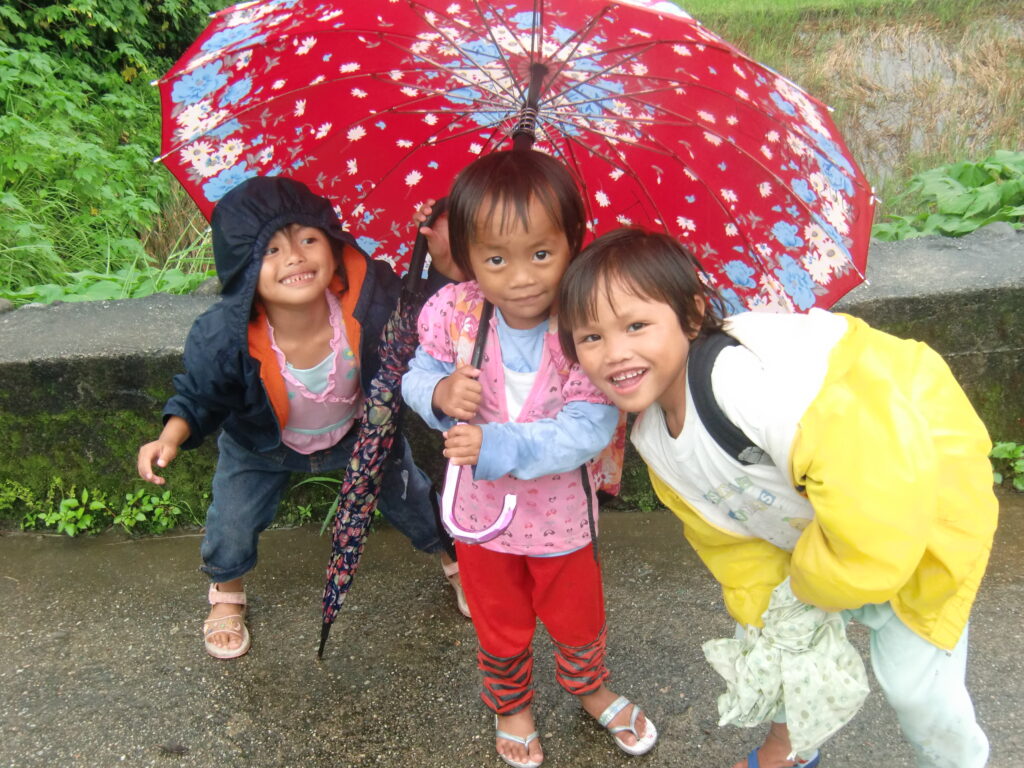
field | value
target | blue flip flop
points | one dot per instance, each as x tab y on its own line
753	762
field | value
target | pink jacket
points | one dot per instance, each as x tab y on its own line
551	515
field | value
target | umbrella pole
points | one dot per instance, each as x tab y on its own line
325	630
525	131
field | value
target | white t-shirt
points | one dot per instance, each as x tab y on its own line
764	387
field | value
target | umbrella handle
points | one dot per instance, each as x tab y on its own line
452	477
453	474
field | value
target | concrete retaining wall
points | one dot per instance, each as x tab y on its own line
82	385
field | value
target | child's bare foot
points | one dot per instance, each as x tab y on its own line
224	632
626	722
773	753
516	739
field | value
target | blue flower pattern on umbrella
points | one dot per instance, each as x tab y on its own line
786	233
197	85
740	273
796	281
227	180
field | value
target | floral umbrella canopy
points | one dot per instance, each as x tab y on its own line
379	104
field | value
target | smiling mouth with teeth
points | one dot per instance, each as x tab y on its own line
298	278
622	378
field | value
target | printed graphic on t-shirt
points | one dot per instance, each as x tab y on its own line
760	512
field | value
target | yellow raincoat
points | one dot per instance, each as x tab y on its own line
893	459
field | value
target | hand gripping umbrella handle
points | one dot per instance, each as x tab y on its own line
453	473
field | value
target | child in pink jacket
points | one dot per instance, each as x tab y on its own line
534	424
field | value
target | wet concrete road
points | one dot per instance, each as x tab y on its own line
101	662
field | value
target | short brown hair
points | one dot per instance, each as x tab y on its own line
510	180
649	264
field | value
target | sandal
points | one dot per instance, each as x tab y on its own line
525	741
753	762
232	624
451	570
645	743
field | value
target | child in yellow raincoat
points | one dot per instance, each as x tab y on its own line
873	495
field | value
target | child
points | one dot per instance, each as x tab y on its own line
515	222
282	362
875	496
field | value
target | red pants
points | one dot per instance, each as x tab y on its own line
507	594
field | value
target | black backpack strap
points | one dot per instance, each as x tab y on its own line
733	440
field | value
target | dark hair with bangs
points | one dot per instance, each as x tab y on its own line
508	181
649	264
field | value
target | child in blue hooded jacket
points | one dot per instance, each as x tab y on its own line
281	365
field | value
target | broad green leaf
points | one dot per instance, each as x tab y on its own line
986	200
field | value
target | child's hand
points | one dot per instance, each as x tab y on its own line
163	450
437	242
162	453
459	394
462	443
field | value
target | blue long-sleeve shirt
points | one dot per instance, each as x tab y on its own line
525	450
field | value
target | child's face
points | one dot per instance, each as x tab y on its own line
634	350
519	269
298	266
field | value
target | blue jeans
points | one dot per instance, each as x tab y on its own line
247	489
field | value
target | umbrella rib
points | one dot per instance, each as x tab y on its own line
494	41
632	96
437	140
537	32
490	99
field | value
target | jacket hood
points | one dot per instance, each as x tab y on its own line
247	217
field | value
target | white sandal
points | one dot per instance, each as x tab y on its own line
645	743
524	740
232	624
451	570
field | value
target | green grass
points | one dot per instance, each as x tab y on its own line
944	9
702	8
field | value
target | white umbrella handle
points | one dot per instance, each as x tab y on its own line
452	477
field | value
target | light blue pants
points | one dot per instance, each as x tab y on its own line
926	686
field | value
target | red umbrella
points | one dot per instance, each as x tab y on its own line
379	105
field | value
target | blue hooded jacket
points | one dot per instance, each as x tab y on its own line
221	385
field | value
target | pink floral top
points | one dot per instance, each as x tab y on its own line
320	419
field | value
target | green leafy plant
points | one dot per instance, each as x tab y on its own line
1008	464
68	510
961	197
331	483
124	283
74	512
79	127
17	500
156	511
